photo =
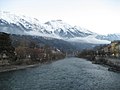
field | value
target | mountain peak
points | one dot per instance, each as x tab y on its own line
20	24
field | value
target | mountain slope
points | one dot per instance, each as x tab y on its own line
53	27
23	25
110	37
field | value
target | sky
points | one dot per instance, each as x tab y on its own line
100	16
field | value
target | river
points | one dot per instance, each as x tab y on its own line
66	74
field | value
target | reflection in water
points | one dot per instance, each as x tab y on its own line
66	74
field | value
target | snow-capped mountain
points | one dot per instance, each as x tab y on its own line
64	30
110	37
26	25
13	24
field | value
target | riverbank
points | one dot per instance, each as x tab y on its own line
6	65
16	67
113	63
13	67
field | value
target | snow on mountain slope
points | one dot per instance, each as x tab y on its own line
11	23
12	18
110	37
23	23
65	30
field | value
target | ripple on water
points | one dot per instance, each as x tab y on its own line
66	74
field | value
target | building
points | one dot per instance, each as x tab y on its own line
115	48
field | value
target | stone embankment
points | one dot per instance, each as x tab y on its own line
16	67
114	63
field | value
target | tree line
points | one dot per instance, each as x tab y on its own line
26	52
